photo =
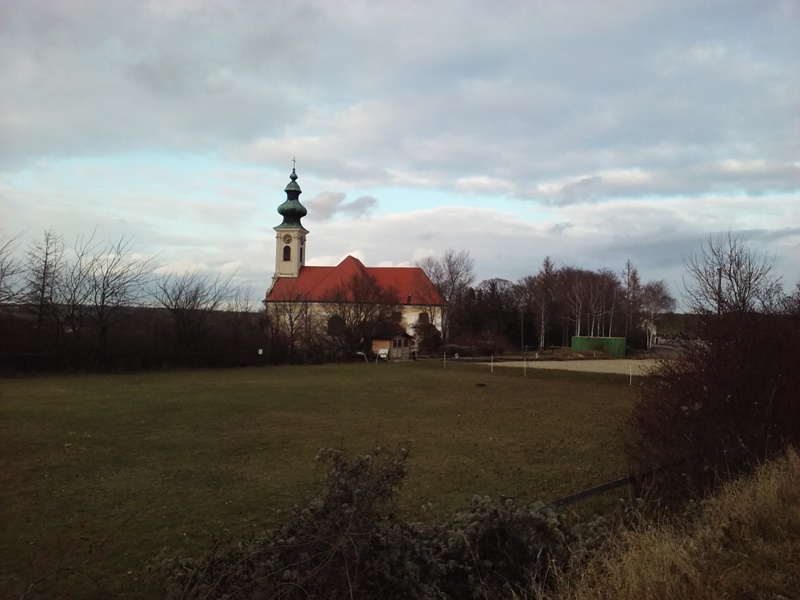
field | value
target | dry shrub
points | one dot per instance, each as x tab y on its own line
744	543
348	542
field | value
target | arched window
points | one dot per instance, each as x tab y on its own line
287	253
336	326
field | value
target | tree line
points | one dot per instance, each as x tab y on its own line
547	308
97	304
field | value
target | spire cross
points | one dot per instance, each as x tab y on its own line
294	162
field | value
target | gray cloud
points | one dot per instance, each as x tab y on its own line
360	206
559	228
326	205
580	191
616	128
484	91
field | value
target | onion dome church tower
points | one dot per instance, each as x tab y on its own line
315	286
290	238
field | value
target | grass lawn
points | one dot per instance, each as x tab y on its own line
99	472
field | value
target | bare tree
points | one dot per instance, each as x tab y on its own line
294	319
240	300
358	308
116	281
573	286
791	303
545	292
190	299
656	300
451	274
239	308
10	269
537	292
632	291
428	296
525	293
73	292
603	286
727	277
41	273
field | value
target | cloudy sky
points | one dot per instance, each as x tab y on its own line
592	132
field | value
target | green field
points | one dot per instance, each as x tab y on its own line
99	472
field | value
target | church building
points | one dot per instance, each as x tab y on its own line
298	290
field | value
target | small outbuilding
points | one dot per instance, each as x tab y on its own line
396	347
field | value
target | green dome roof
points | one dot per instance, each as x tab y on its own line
291	210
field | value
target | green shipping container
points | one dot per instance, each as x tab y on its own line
615	346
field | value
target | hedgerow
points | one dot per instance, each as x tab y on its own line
724	406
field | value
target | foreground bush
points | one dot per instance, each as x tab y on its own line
349	542
728	403
745	543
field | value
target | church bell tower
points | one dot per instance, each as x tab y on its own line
290	238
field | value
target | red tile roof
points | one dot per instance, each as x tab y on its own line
317	284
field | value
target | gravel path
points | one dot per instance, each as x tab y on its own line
620	365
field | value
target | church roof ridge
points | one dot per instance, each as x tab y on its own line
317	283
